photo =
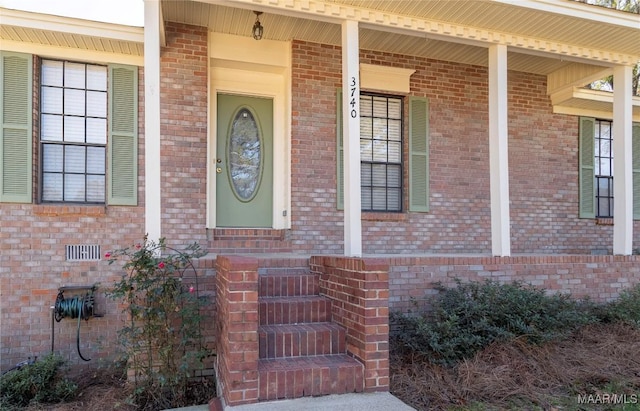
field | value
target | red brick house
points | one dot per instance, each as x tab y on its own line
341	164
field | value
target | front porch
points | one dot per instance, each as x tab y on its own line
496	106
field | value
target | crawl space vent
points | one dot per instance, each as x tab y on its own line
83	252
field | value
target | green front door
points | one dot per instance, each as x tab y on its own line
244	163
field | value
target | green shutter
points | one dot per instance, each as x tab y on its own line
418	154
586	149
635	150
339	152
16	133
123	136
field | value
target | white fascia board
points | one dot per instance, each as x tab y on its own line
579	10
90	28
560	100
567	93
576	111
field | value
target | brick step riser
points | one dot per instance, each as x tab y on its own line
294	310
310	380
288	285
300	340
301	353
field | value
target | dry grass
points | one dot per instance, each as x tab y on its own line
516	375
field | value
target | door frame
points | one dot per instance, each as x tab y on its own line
234	70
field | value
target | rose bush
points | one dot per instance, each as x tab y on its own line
162	342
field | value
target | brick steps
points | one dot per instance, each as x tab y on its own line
294	310
289	283
301	352
287	378
294	340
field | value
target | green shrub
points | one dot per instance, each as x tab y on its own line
625	309
40	382
470	316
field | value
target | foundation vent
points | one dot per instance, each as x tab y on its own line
83	252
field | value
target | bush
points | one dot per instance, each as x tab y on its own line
470	316
625	309
39	382
162	343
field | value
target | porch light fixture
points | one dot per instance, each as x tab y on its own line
257	27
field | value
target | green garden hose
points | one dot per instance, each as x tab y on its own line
80	307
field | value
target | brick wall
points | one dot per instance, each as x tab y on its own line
33	236
183	125
203	279
543	164
237	329
316	71
601	278
359	293
33	265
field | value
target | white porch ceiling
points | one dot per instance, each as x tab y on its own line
237	18
546	37
70	40
28	31
515	17
236	21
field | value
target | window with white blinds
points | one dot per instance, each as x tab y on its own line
73	131
381	152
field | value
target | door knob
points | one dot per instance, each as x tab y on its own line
218	170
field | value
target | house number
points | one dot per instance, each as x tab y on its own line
353	102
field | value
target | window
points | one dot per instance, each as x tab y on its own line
381	153
596	159
603	169
88	135
73	131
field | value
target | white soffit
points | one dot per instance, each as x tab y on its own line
557	30
575	75
41	32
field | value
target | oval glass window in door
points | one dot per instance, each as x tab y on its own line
244	155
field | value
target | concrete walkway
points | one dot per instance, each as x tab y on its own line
379	401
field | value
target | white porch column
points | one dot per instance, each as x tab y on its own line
152	222
351	138
498	151
622	166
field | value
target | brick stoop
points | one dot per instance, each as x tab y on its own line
301	352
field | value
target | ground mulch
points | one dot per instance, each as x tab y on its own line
108	390
98	389
507	374
499	377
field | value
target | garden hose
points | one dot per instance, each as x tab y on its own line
80	307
